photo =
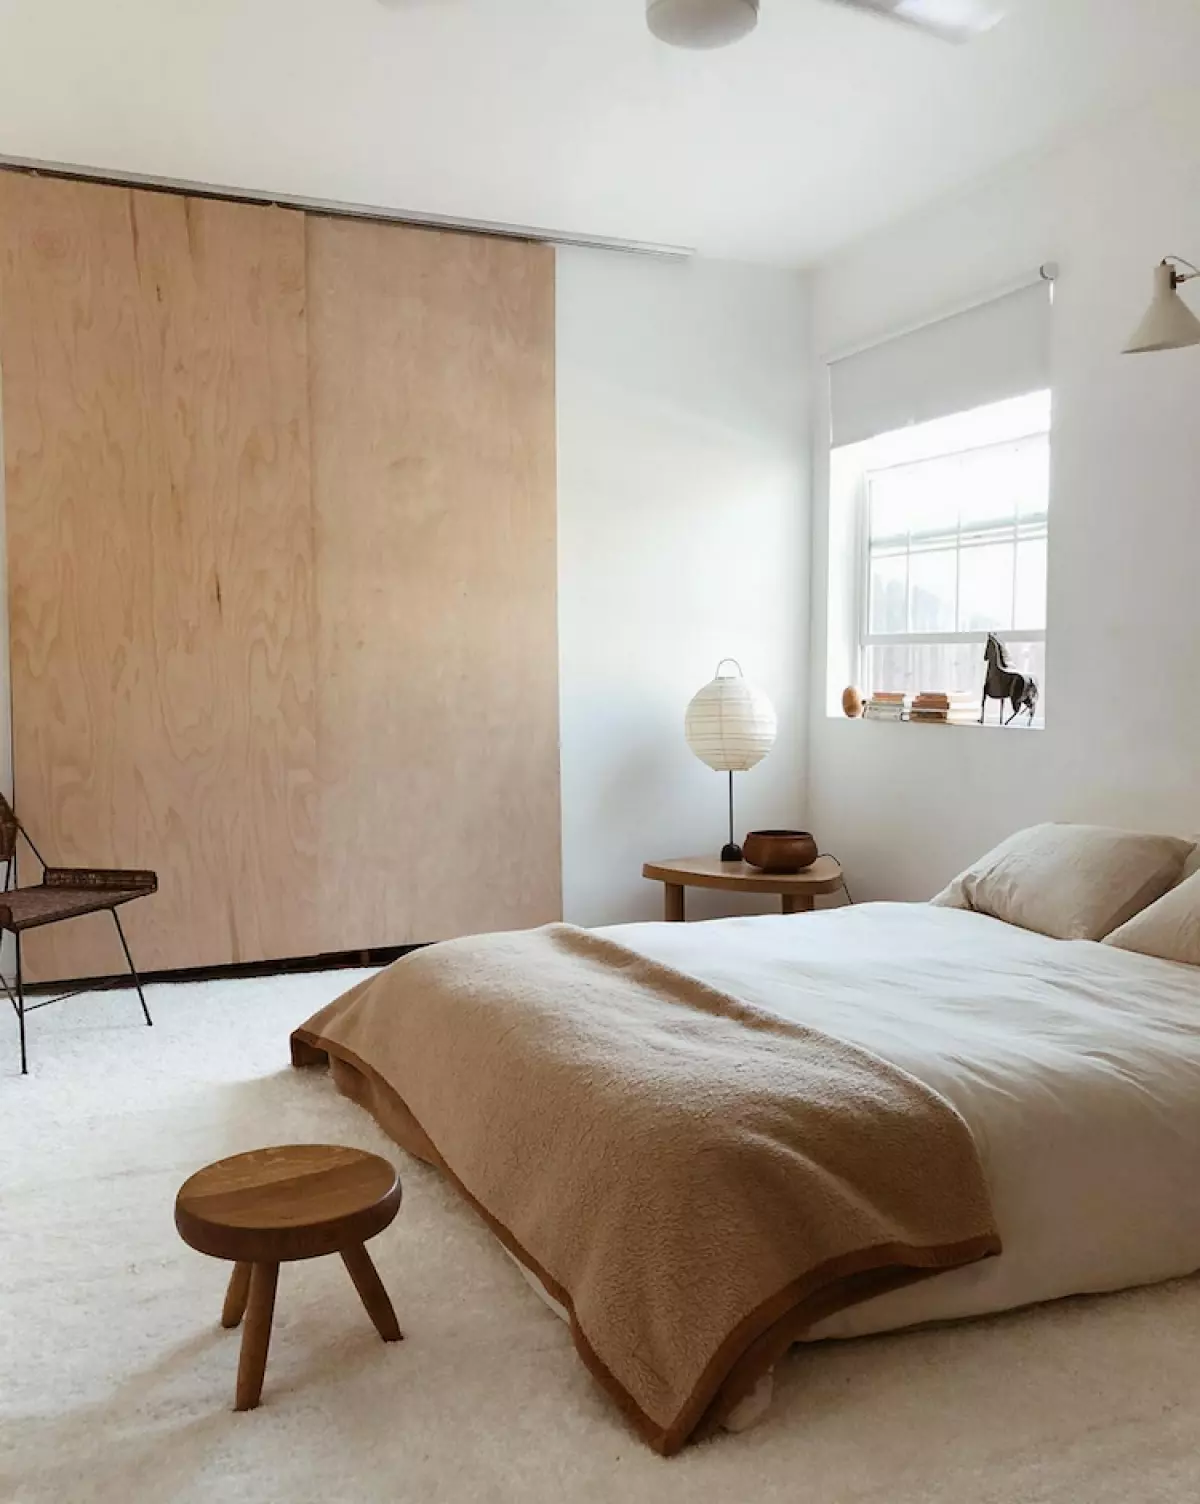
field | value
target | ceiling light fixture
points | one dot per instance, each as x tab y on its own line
701	23
1169	323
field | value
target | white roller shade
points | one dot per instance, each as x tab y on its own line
988	354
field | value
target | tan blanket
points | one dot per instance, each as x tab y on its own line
694	1179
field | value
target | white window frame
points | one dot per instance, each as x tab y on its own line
868	639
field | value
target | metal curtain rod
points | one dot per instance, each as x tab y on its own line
337	209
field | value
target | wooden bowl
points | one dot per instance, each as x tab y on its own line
779	850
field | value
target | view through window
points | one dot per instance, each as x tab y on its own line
955	521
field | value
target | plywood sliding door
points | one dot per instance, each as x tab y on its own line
281	542
431	362
161	573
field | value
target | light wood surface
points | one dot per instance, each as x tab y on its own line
236	1295
278	1205
281	538
432	365
371	1291
256	1336
160	563
300	1201
796	890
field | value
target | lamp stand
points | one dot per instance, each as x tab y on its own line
732	852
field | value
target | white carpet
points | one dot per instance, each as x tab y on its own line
116	1380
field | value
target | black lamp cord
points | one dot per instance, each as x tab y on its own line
845	884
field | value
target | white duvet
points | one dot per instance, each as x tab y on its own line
1075	1065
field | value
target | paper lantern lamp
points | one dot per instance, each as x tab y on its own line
730	725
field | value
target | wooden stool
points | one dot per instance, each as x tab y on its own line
274	1206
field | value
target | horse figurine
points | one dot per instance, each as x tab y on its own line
1004	683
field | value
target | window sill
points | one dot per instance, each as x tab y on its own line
989	725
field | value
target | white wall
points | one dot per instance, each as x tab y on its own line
683	537
905	807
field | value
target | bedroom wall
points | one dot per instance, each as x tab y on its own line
905	807
683	537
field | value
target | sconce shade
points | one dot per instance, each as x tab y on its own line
730	725
1169	323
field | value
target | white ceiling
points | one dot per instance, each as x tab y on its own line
566	114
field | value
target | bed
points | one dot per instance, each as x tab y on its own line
1072	1068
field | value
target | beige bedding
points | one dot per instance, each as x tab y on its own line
697	1180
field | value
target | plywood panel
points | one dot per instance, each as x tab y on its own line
432	402
160	562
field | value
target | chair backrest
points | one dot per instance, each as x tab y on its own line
9	830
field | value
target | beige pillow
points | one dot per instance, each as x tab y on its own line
1192	865
1074	882
1169	928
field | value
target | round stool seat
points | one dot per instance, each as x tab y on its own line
274	1206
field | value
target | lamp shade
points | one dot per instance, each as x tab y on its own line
1169	323
701	23
730	725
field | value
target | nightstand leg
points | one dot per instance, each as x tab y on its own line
673	903
796	903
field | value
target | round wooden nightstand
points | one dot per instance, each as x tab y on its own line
274	1206
796	890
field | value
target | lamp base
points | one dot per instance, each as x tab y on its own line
731	853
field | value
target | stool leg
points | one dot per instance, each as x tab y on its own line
256	1335
235	1296
370	1288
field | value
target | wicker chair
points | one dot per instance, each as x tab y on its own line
63	893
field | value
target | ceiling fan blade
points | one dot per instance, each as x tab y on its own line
953	20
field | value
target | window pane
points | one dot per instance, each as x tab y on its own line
890	497
1034	493
985	591
1030	614
917	499
933	581
889	593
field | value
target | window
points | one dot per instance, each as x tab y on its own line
939	507
949	536
955	548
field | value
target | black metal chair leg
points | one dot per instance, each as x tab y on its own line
137	981
21	1005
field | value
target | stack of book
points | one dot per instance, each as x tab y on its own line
885	705
937	708
931	707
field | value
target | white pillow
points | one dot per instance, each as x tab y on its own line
1169	928
1074	882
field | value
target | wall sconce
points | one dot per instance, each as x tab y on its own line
1169	323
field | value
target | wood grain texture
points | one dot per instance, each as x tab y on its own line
236	1295
296	1201
796	890
256	1336
160	562
824	876
281	526
371	1291
431	363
